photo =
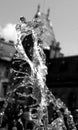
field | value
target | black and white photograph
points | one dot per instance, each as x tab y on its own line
38	65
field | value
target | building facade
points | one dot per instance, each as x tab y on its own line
7	51
62	78
62	73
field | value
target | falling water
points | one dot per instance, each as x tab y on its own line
28	80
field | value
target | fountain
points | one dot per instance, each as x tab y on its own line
28	100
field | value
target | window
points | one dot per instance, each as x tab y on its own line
5	86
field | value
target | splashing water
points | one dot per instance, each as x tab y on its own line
28	91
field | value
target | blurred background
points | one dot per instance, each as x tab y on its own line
62	55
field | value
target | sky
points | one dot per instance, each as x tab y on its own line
63	15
